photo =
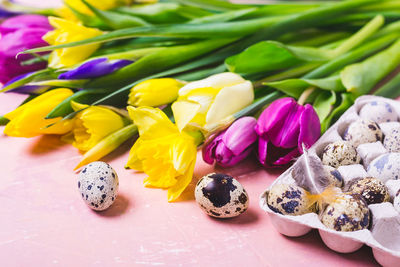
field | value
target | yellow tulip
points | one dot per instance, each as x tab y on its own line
155	92
66	32
29	120
164	153
206	102
92	124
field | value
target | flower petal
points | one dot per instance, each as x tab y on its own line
240	135
182	182
184	112
310	128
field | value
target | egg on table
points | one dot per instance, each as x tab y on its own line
221	196
340	153
373	190
385	167
363	131
348	213
289	199
98	185
392	140
378	111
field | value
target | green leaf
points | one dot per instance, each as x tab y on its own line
3	121
324	103
215	5
360	78
390	89
347	100
89	21
223	17
27	79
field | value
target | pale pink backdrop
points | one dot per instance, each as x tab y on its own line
44	222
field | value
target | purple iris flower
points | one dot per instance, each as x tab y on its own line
232	145
25	89
95	68
282	129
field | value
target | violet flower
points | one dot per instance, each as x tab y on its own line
282	128
26	89
18	34
95	68
232	145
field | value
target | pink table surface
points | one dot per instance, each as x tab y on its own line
44	221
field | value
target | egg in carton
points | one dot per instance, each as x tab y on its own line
372	159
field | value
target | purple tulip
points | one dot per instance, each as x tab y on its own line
232	145
23	32
95	68
282	129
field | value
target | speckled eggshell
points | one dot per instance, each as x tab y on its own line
373	190
98	185
385	167
221	196
289	199
334	176
392	140
378	111
363	131
340	153
348	213
396	201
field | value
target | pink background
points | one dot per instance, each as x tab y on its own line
44	222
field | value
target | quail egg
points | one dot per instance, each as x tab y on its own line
385	167
98	185
392	140
363	131
378	111
289	199
334	176
348	213
373	190
221	196
396	201
340	153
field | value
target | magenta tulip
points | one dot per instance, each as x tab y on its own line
232	145
282	129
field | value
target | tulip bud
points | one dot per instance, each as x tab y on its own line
232	145
282	129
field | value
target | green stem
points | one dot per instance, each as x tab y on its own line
390	89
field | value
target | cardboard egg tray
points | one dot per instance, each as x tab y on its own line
383	235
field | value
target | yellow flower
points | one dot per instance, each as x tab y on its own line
211	100
93	124
29	120
66	32
164	153
155	92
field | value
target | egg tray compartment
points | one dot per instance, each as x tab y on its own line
383	235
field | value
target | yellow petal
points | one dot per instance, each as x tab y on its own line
184	112
182	182
133	160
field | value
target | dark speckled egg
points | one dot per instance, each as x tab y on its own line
348	213
373	190
221	196
334	176
363	131
340	153
289	199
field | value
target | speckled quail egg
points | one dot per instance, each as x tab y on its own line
98	185
334	176
373	190
396	201
221	196
340	153
392	140
385	167
348	213
289	199
378	111
363	131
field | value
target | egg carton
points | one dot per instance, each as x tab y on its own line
383	235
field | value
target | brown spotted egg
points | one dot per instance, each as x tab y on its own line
289	199
396	201
363	131
98	185
334	176
348	213
340	153
373	190
221	196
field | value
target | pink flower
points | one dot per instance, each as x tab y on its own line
282	128
232	145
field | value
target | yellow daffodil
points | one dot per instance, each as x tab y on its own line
209	101
155	92
66	32
92	124
29	120
164	153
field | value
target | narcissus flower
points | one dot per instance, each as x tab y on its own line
232	145
209	101
29	120
164	153
92	124
66	32
282	129
155	92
